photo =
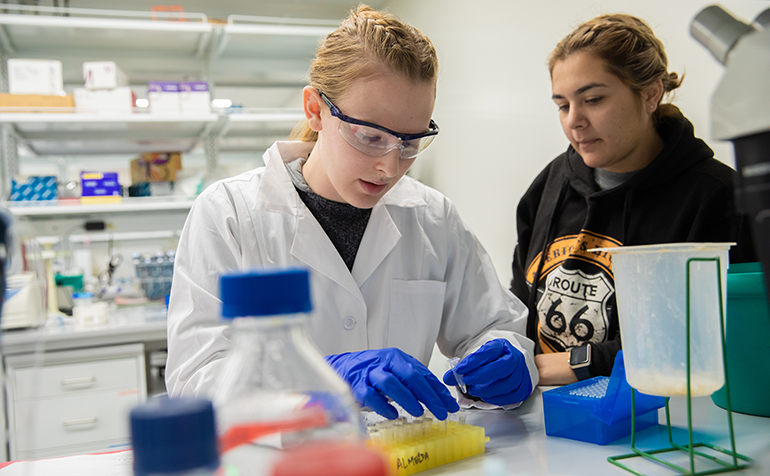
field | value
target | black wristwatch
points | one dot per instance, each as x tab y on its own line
580	360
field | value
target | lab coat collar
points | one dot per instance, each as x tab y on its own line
404	194
277	194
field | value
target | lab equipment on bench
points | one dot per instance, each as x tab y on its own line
174	437
748	330
24	305
275	389
671	308
415	444
598	410
88	313
740	109
155	273
651	283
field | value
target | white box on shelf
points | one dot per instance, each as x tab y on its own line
103	75
104	101
35	76
194	97
163	97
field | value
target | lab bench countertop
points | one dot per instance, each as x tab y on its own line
518	442
519	446
126	325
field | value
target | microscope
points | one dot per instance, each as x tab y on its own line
740	110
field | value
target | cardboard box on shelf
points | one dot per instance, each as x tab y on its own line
103	75
163	97
194	97
156	167
105	101
36	103
35	188
99	184
35	76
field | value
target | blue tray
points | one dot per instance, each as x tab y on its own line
598	410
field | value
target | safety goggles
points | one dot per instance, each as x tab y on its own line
376	141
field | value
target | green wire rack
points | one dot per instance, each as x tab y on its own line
736	461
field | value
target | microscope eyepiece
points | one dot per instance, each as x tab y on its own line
718	31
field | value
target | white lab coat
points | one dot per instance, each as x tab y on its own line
420	276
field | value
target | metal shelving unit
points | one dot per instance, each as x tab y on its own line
48	133
65	208
247	51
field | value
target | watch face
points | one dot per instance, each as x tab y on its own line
578	355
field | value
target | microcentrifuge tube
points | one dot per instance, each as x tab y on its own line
453	364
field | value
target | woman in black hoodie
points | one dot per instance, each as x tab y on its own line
634	174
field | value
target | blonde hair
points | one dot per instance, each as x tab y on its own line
365	43
630	49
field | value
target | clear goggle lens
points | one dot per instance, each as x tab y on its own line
376	143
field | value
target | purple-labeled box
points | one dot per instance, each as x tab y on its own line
163	97
163	86
194	86
194	97
99	184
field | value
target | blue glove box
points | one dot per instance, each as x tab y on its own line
598	410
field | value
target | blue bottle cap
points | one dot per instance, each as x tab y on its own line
173	435
265	292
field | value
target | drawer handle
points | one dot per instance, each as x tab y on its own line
78	382
82	423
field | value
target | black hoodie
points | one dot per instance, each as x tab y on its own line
683	195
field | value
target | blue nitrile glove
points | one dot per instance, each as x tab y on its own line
374	375
496	373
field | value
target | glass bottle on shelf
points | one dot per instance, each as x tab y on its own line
275	388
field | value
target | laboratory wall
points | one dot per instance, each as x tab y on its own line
499	127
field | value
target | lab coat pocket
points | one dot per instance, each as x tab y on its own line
416	308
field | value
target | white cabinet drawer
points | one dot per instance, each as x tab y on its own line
74	401
74	420
77	378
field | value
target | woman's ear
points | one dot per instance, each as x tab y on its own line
311	103
652	95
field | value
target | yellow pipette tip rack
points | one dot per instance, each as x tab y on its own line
425	442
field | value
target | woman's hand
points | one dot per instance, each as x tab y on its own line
376	374
554	369
496	373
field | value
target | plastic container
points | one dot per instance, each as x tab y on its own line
275	386
598	410
155	273
174	437
88	313
651	295
418	444
748	341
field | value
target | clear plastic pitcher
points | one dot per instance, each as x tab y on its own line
651	295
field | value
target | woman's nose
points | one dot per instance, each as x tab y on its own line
388	164
575	118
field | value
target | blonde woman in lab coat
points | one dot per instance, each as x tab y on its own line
394	269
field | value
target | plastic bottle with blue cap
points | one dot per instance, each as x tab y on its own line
275	388
175	437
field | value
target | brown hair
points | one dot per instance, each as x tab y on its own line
629	48
365	43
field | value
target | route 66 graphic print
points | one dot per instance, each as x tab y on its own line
573	307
